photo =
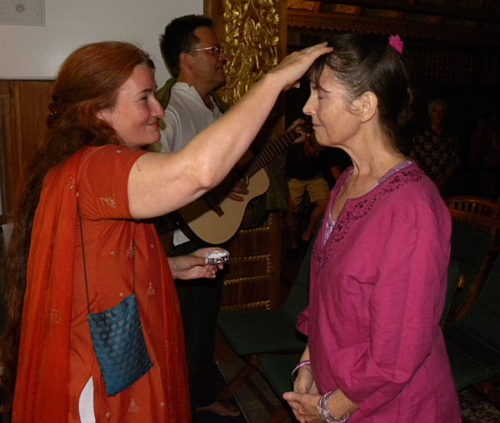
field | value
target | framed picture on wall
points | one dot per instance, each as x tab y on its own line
22	12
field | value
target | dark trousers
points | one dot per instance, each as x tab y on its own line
199	301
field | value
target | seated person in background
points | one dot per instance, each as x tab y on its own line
306	165
313	168
436	149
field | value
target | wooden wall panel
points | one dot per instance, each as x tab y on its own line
23	115
253	277
8	160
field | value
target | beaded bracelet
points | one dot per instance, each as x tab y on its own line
325	413
298	367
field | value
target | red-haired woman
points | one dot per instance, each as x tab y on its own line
83	247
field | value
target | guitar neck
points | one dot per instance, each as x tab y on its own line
265	157
270	152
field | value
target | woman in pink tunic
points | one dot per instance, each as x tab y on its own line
378	272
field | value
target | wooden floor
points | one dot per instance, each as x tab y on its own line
252	408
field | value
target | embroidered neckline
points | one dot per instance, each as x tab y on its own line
356	208
400	166
330	224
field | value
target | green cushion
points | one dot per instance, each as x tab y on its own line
453	274
484	318
469	247
297	300
471	360
484	323
259	331
474	343
466	371
277	370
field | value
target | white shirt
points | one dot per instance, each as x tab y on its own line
185	117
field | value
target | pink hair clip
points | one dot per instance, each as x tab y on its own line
396	43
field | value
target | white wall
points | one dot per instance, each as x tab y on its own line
36	52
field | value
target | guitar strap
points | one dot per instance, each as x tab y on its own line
163	94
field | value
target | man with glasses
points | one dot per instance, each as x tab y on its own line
192	53
193	56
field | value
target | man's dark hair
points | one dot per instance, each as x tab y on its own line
179	37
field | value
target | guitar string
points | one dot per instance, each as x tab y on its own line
262	159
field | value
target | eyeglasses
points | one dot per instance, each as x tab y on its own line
216	50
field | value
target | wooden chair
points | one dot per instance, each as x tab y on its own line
252	279
473	344
456	282
476	206
476	224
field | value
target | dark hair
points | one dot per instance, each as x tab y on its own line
364	63
179	37
88	82
438	102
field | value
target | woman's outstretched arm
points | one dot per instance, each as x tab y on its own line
161	183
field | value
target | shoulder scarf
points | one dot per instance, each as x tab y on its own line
43	370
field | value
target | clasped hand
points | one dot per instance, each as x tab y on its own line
304	398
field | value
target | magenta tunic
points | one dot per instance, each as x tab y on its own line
378	287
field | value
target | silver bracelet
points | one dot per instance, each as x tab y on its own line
295	371
325	413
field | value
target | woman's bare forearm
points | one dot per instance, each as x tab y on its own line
161	183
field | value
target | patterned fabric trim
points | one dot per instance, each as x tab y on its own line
330	223
355	209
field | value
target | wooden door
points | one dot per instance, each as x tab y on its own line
23	114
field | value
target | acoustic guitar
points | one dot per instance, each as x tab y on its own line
215	219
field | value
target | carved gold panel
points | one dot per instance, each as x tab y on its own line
250	32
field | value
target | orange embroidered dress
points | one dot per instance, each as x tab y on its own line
56	357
